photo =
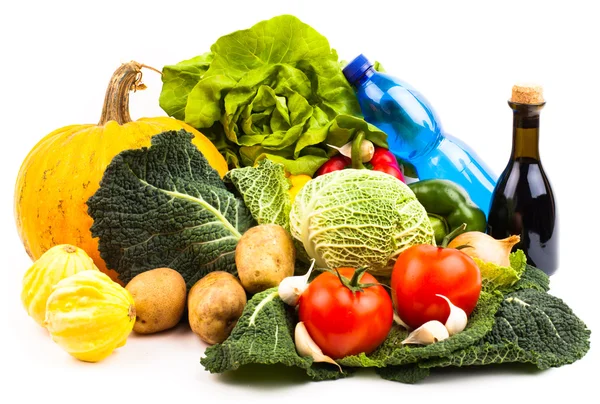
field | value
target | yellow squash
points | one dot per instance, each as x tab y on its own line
298	182
54	265
89	315
64	169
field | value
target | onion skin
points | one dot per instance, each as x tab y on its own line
483	246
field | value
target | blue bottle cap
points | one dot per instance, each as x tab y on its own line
356	68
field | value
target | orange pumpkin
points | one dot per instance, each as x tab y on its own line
64	169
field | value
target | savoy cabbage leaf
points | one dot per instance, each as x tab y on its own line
265	191
409	374
263	335
531	326
524	325
355	218
531	278
165	206
393	353
499	277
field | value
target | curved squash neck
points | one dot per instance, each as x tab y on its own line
116	102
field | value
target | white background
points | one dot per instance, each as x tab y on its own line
56	59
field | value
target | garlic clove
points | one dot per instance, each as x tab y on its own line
306	346
292	287
429	333
367	149
399	321
457	319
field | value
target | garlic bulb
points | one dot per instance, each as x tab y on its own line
457	320
428	333
292	287
306	346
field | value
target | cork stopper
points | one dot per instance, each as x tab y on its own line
527	94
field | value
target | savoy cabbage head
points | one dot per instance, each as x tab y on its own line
358	218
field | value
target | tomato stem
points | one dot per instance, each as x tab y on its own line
453	234
354	284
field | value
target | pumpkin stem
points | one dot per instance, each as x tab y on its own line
128	77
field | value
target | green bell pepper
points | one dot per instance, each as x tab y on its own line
448	206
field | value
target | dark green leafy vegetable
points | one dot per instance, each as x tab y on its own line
409	374
275	90
393	353
532	278
263	335
525	324
165	206
531	327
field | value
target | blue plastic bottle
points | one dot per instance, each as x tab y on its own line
415	134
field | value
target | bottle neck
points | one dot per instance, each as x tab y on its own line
364	77
526	130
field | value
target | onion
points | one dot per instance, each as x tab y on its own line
483	246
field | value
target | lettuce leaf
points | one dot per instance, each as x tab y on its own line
179	80
275	90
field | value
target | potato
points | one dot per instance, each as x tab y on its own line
159	296
215	304
264	256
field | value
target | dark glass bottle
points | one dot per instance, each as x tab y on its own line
523	202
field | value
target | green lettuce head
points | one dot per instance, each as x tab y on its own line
358	218
275	90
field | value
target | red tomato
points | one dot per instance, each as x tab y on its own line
383	157
422	271
335	163
343	322
391	170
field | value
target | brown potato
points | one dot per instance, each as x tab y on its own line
159	297
264	256
215	304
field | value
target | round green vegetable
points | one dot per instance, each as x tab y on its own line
448	206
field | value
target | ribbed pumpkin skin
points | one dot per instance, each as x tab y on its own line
59	262
64	170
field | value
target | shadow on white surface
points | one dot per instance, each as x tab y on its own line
265	376
180	330
280	376
473	373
